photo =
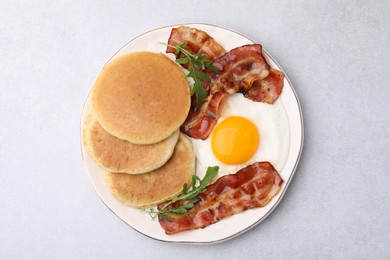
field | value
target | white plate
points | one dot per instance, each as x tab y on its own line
226	228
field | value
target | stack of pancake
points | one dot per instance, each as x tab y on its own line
139	101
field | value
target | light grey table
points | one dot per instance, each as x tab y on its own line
336	55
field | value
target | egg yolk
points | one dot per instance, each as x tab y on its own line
235	140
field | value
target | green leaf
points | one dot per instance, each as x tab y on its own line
198	62
178	210
182	44
190	204
190	197
210	175
200	93
213	68
184	60
196	65
204	58
203	76
185	188
195	179
179	47
191	73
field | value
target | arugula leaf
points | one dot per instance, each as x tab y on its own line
182	60
200	93
191	196
196	65
202	76
195	190
185	188
211	67
180	45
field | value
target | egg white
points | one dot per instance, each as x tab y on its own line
272	124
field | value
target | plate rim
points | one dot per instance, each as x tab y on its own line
287	183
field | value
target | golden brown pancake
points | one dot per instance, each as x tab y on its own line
159	185
116	155
141	97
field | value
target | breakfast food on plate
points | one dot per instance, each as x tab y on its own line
233	143
268	89
230	112
238	70
141	97
235	140
265	90
251	187
197	41
116	155
247	138
139	102
159	185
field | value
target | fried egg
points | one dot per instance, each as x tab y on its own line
246	132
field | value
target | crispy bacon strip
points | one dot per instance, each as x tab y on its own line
197	42
200	122
238	70
241	70
268	89
251	187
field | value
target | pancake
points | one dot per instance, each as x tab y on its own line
116	155
141	97
159	185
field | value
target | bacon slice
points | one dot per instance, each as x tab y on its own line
243	69
268	89
200	122
238	70
197	42
251	187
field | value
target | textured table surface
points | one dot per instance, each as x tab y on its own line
335	54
